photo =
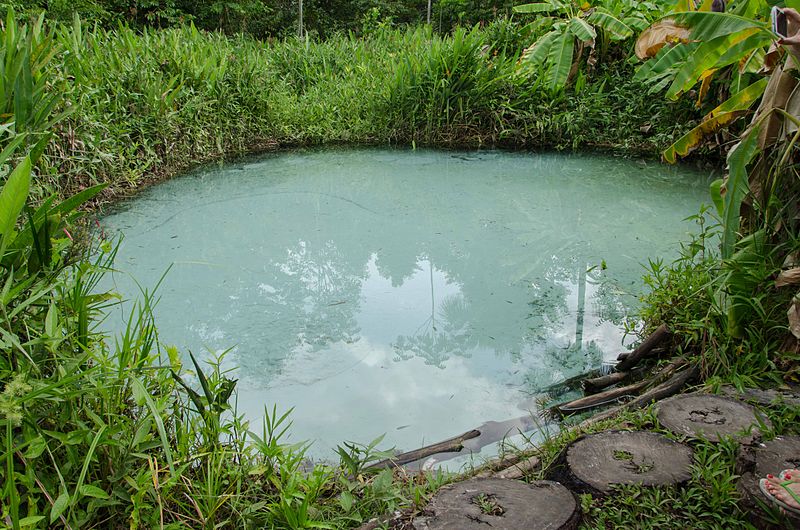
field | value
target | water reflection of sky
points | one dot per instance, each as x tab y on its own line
413	294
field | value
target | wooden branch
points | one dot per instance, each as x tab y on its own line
603	398
666	389
450	445
644	348
596	384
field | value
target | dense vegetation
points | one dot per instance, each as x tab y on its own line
272	19
112	433
152	102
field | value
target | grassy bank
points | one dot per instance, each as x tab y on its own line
152	103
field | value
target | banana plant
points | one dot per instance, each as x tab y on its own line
573	28
738	44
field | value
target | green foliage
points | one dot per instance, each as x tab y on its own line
576	28
153	102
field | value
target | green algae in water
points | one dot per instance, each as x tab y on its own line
417	294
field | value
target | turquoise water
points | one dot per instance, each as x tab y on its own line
413	293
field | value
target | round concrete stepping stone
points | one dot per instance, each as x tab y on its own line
597	462
755	463
501	504
710	417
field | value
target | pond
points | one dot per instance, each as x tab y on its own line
413	293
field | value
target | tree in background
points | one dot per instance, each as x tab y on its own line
268	18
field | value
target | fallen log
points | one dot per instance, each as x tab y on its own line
652	353
450	445
644	348
668	388
604	398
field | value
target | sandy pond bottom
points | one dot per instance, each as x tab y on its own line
413	293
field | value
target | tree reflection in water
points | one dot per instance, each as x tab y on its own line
378	288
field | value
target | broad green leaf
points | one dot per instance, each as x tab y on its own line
72	203
87	490
14	194
704	58
51	321
715	189
743	99
689	141
38	149
706	26
539	7
611	24
203	381
31	520
139	388
61	504
142	432
346	501
559	60
732	108
582	29
736	188
537	54
35	448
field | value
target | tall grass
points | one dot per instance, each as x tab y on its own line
153	102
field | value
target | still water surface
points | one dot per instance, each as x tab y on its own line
413	293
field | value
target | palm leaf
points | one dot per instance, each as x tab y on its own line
689	141
636	22
744	48
667	59
705	57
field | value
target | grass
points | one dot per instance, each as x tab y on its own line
153	103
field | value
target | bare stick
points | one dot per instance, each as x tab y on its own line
448	446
